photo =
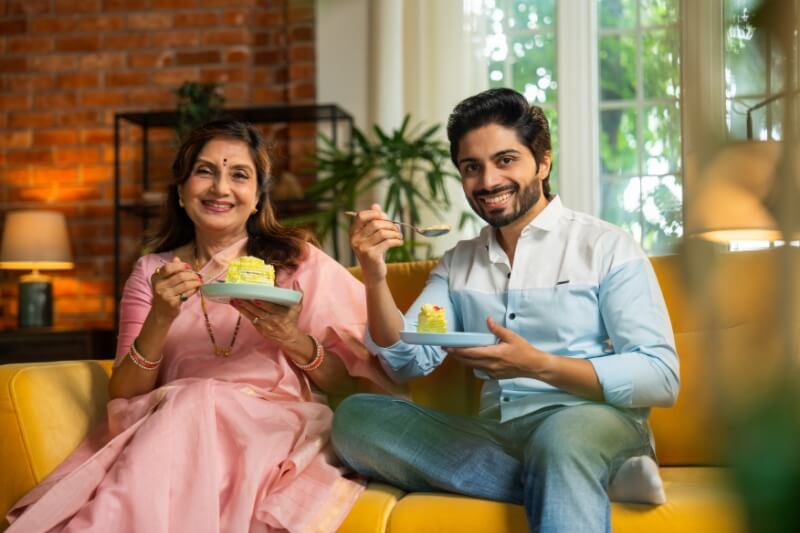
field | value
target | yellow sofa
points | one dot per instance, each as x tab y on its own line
47	408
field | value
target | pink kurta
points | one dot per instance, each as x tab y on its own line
234	445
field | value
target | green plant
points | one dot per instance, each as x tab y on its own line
411	166
198	103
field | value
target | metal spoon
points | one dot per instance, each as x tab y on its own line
430	231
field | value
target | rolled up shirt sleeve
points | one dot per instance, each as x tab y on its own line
643	370
404	361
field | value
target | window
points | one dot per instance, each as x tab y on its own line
639	125
634	161
754	72
521	54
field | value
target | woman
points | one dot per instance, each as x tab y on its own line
213	423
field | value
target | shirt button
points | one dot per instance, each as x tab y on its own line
508	275
506	399
512	316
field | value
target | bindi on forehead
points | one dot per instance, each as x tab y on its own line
224	162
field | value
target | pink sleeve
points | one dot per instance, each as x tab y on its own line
137	297
335	312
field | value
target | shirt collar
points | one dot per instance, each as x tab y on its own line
546	221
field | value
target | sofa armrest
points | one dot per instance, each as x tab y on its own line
46	410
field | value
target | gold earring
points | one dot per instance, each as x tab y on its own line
254	211
180	201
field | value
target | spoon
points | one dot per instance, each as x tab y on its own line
430	231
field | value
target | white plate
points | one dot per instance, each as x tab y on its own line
223	292
454	339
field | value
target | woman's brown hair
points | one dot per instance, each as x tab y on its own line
280	246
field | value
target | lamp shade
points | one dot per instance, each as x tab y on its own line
35	240
730	201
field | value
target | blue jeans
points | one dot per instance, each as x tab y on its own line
556	461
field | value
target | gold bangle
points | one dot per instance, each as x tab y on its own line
319	356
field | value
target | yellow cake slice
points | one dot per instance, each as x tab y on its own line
249	269
431	319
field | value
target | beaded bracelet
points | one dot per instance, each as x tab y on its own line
140	361
318	357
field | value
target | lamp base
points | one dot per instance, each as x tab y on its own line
35	302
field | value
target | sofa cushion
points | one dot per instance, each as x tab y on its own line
697	500
370	514
45	412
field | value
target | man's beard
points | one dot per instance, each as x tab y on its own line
524	200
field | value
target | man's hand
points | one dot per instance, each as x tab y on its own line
513	357
370	236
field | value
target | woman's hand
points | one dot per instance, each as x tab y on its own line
277	323
172	283
370	236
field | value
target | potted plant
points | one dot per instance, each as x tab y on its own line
411	166
198	103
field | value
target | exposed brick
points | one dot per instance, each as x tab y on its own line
150	60
77	6
100	23
13	26
125	5
102	61
16	138
236	93
13	64
11	102
273	37
54	63
173	77
84	117
17	177
269	19
203	19
229	37
268	95
102	99
239	54
170	39
29	7
82	80
32	119
125	79
58	24
54	175
224	75
302	92
152	98
126	41
85	154
48	137
300	53
176	4
302	71
96	174
28	82
200	57
29	156
149	21
78	43
29	44
303	33
235	17
299	13
270	57
55	100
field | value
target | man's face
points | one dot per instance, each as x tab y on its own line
499	174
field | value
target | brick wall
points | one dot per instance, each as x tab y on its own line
67	66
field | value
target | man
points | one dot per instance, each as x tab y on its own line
585	345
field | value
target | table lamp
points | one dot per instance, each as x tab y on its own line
35	240
730	202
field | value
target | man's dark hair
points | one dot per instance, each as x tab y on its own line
508	108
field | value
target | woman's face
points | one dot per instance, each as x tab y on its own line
222	189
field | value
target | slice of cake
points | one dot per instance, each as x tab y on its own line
249	269
431	319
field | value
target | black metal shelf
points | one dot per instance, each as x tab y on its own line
329	113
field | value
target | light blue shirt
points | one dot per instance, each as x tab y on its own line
580	288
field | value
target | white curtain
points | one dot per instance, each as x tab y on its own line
426	56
